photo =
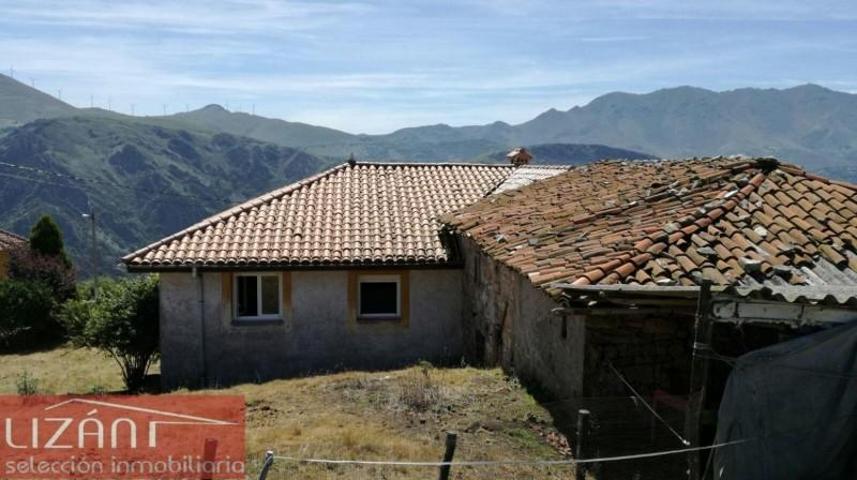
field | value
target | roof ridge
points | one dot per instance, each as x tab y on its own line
647	248
434	164
244	206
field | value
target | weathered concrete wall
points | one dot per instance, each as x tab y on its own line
509	322
315	335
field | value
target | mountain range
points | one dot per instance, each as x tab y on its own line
150	176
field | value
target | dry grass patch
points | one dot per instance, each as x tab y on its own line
61	370
403	415
400	414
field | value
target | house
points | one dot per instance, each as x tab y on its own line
542	260
348	268
583	281
8	241
657	275
370	265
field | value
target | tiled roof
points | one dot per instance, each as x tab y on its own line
528	174
9	240
735	221
353	214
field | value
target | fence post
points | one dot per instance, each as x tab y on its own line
269	460
582	443
451	440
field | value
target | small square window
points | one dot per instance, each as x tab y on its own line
379	297
257	296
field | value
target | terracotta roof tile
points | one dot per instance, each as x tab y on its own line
729	220
9	240
363	213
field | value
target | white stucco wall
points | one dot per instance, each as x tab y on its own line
315	336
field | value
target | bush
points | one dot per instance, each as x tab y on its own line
418	391
52	271
27	384
121	319
25	314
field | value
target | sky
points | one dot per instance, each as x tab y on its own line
373	67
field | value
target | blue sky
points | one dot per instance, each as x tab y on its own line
373	67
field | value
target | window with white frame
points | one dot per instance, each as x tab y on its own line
258	296
379	297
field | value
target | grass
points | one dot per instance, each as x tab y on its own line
61	370
400	414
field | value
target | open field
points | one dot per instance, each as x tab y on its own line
399	414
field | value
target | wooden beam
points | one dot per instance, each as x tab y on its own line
698	377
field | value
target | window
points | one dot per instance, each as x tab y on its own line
379	297
258	296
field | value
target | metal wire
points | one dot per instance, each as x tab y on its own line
641	399
476	463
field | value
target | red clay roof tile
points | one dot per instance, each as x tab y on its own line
754	212
353	214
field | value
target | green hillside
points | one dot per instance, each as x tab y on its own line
143	181
809	125
217	118
20	104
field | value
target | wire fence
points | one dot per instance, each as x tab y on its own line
283	470
630	437
294	467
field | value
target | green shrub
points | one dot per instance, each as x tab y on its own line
25	314
121	319
27	384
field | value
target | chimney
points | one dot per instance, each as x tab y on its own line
519	156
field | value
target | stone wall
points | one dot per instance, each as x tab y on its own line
316	334
509	322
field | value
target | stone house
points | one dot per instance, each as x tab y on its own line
373	265
548	267
8	241
345	269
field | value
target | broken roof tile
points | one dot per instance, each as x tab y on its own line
749	215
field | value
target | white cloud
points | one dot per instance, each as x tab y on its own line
375	66
189	17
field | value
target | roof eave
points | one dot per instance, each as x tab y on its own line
415	265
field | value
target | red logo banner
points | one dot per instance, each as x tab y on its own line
140	437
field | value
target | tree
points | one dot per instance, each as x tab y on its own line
121	320
46	238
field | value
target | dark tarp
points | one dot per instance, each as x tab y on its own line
796	404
